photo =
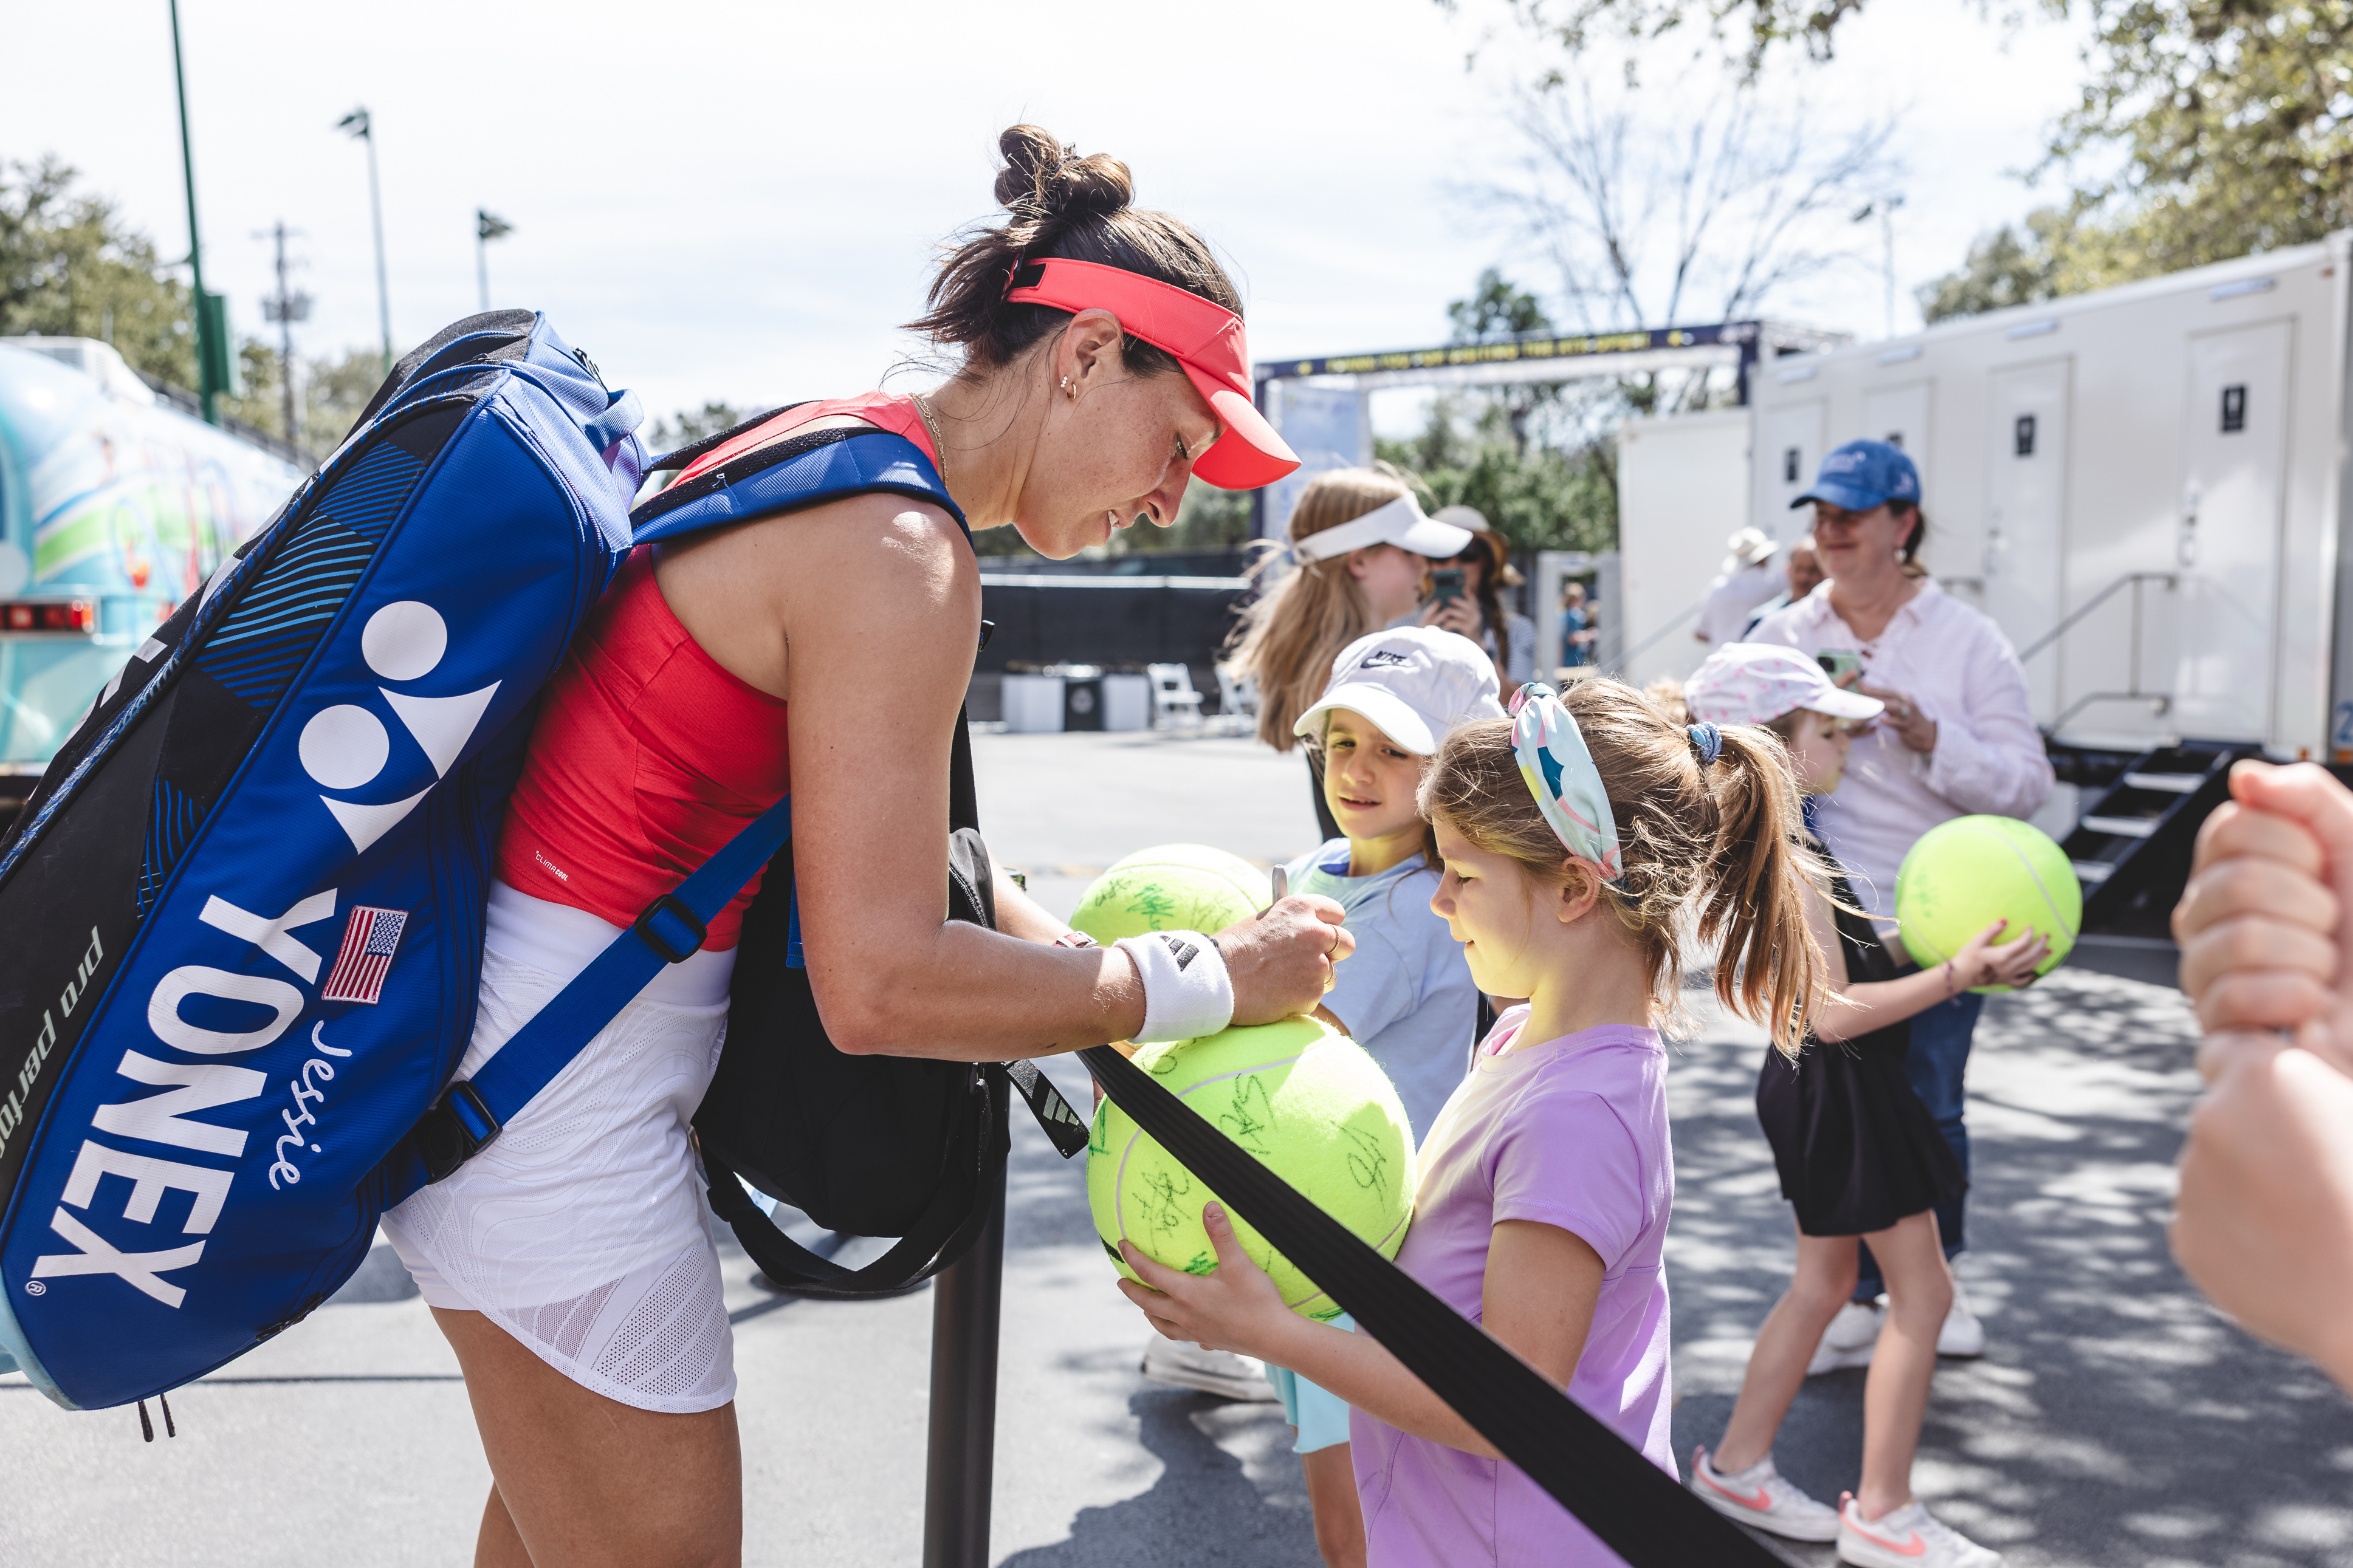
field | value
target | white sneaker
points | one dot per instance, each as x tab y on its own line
1759	1498
1187	1366
1963	1335
1852	1338
1907	1537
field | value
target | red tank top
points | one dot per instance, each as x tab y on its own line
650	756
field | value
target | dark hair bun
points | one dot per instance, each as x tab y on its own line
1044	180
1059	205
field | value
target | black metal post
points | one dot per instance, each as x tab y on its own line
968	1298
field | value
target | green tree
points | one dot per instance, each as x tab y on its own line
1538	499
687	427
2234	119
2205	129
1536	460
1577	24
70	267
2004	268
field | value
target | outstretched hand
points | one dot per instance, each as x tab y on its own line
2265	1221
2012	964
1282	962
1235	1307
2261	923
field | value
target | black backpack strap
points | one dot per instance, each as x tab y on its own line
686	455
945	1232
1639	1511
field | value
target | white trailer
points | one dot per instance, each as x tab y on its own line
2146	488
2143	487
1682	492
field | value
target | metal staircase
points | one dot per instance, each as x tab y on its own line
2131	847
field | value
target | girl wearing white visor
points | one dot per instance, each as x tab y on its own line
1859	1155
1360	553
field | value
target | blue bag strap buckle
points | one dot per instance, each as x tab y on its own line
663	922
459	1127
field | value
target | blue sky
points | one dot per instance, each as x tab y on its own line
739	200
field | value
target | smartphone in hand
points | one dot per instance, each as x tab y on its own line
1842	665
1449	582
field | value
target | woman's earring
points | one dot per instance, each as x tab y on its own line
1068	391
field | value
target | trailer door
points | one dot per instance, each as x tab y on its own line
2229	548
2026	515
1899	416
1793	451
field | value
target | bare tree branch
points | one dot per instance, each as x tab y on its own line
1648	214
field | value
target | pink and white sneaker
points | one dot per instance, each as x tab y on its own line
1757	1497
1906	1537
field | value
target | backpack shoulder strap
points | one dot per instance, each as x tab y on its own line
470	1112
796	470
785	475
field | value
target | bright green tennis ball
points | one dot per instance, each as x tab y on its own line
1965	874
1301	1096
1172	887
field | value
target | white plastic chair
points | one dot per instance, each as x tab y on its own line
1237	701
1172	693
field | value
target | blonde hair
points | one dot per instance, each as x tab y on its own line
1291	632
1715	852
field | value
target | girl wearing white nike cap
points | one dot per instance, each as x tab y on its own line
1407	996
1860	1156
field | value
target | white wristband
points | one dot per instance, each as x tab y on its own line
1186	992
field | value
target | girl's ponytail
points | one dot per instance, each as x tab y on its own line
1712	847
1752	895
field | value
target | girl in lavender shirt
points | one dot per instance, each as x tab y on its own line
1583	838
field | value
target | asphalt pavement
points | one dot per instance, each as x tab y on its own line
2114	1420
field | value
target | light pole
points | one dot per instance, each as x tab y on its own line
286	307
1884	209
215	365
488	227
358	124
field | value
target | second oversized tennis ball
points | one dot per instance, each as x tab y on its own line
1172	887
1304	1099
1964	875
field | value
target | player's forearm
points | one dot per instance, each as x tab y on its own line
966	994
1363	1372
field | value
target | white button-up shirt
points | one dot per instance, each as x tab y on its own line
1958	670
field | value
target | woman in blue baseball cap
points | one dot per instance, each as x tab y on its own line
1957	737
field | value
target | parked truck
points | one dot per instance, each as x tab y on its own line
2146	488
114	507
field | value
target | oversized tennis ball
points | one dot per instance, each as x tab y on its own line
1964	875
1172	887
1302	1097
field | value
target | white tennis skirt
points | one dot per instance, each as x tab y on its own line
582	1229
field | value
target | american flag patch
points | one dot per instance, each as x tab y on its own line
366	957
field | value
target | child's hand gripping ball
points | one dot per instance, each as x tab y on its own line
1965	874
1301	1096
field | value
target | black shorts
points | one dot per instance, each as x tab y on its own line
1856	1148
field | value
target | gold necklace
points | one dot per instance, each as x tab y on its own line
932	423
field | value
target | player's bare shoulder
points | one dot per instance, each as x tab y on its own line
859	566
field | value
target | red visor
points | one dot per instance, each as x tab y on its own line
1207	339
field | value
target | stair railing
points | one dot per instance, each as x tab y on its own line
1690	611
2160	702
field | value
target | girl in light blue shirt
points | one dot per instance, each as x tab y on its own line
1406	995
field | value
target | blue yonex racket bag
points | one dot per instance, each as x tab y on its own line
245	907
